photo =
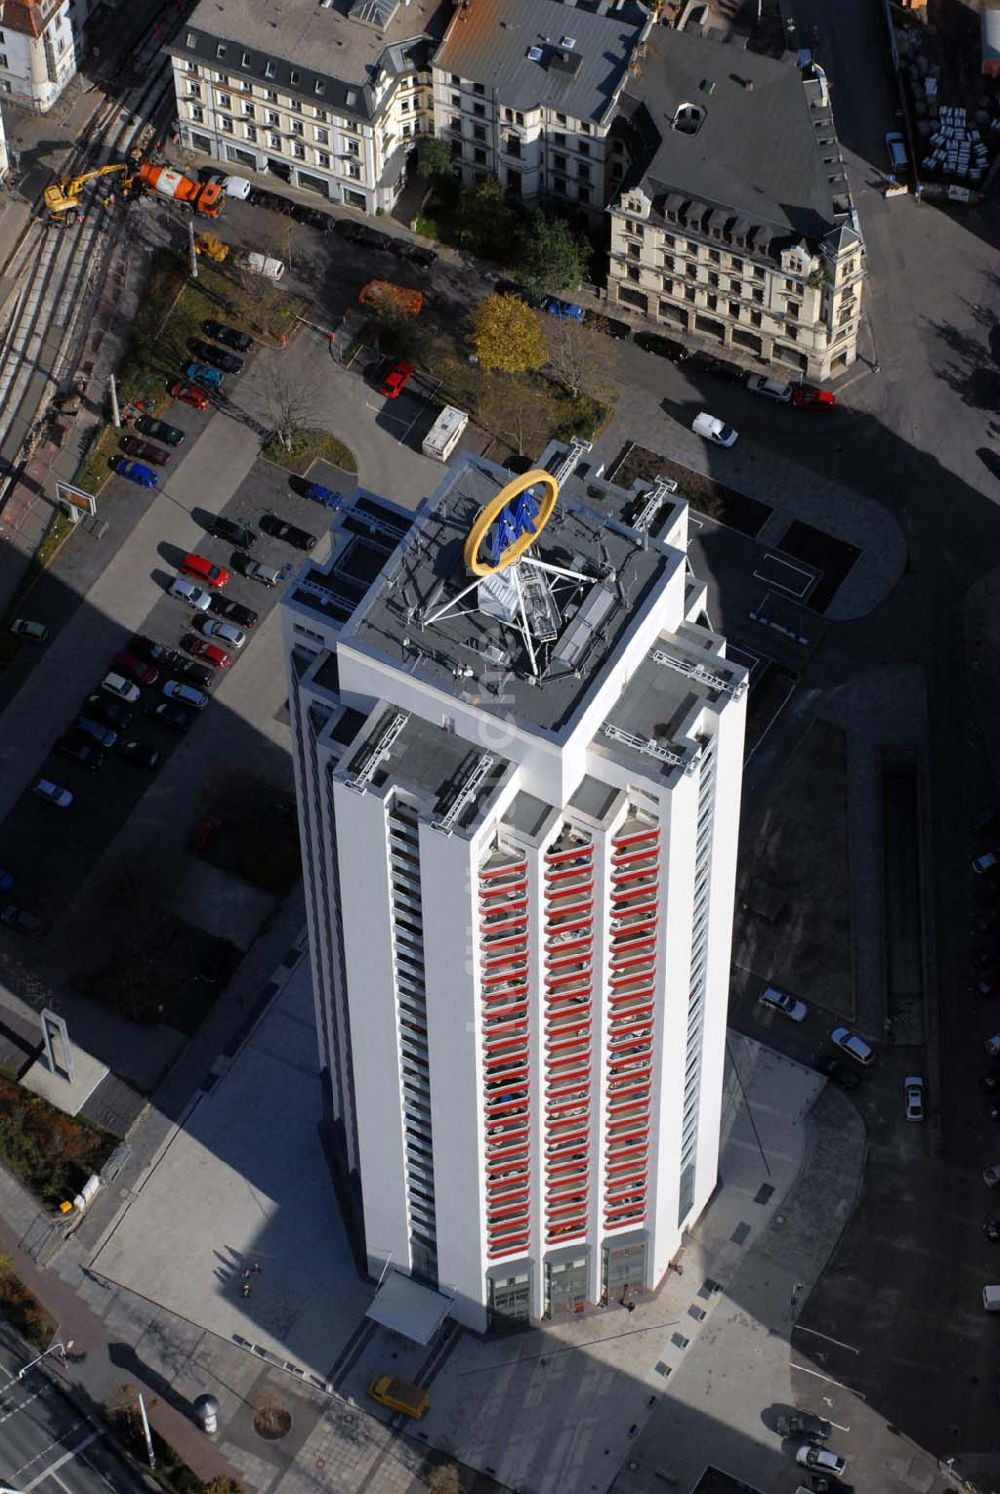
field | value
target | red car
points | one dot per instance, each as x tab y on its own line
136	668
203	570
144	450
190	394
210	652
396	380
805	397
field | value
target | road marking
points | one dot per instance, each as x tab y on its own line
773	562
806	1371
767	730
800	1328
91	1437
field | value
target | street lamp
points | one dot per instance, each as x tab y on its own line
62	1349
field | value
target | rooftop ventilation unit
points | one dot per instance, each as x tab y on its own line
567	41
535	54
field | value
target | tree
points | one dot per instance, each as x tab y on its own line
507	336
396	333
579	356
549	254
434	160
485	219
291	403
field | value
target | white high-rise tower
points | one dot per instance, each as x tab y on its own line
518	761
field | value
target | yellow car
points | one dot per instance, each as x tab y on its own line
400	1395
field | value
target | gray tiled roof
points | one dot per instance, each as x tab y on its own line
333	54
583	53
758	150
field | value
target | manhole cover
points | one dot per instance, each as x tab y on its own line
272	1423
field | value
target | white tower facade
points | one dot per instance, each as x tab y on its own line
519	798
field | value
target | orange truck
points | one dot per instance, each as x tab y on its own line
205	198
382	295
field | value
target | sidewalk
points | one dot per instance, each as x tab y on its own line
92	1370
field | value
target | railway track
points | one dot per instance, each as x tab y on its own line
59	271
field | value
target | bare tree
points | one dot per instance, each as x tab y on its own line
579	357
291	403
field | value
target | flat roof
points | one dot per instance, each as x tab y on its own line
766	146
328	56
542	53
483	660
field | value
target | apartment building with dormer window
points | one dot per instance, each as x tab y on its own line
525	90
735	221
37	52
329	98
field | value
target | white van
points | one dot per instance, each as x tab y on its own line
444	435
263	264
991	1298
236	187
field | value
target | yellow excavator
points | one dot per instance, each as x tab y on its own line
62	199
211	247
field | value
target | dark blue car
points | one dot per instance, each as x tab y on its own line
326	496
557	307
136	472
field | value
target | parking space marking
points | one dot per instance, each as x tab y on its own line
801	1328
750	661
778	565
828	1378
766	732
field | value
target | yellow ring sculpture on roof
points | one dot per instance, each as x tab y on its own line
488	515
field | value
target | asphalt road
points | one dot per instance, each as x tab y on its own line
47	1443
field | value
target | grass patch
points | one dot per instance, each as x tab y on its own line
171	1471
310	446
59	528
94	471
52	1154
22	1310
428	228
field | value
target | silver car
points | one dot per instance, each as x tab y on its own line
185	694
229	633
194	596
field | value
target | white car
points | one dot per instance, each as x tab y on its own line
713	429
782	1002
811	1456
913	1089
770	388
52	793
226	632
194	596
185	694
852	1044
23	627
121	688
984	863
236	187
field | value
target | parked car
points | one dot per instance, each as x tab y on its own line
780	1001
204	570
136	472
804	1424
190	394
312	217
158	429
821	1458
217	357
34	632
260	197
182	668
96	731
193	596
991	1175
233	532
718	368
360	233
6	880
52	793
138	753
852	1044
993	1045
146	648
769	388
838	1073
986	862
144	450
111	712
168	713
565	310
984	820
400	1395
990	1082
991	1229
254	570
242	342
186	695
536	299
137	669
210	652
280	529
663	347
21	921
223	606
895	145
913	1092
121	688
416	254
325	496
713	429
396	380
77	746
228	632
208	378
807	397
